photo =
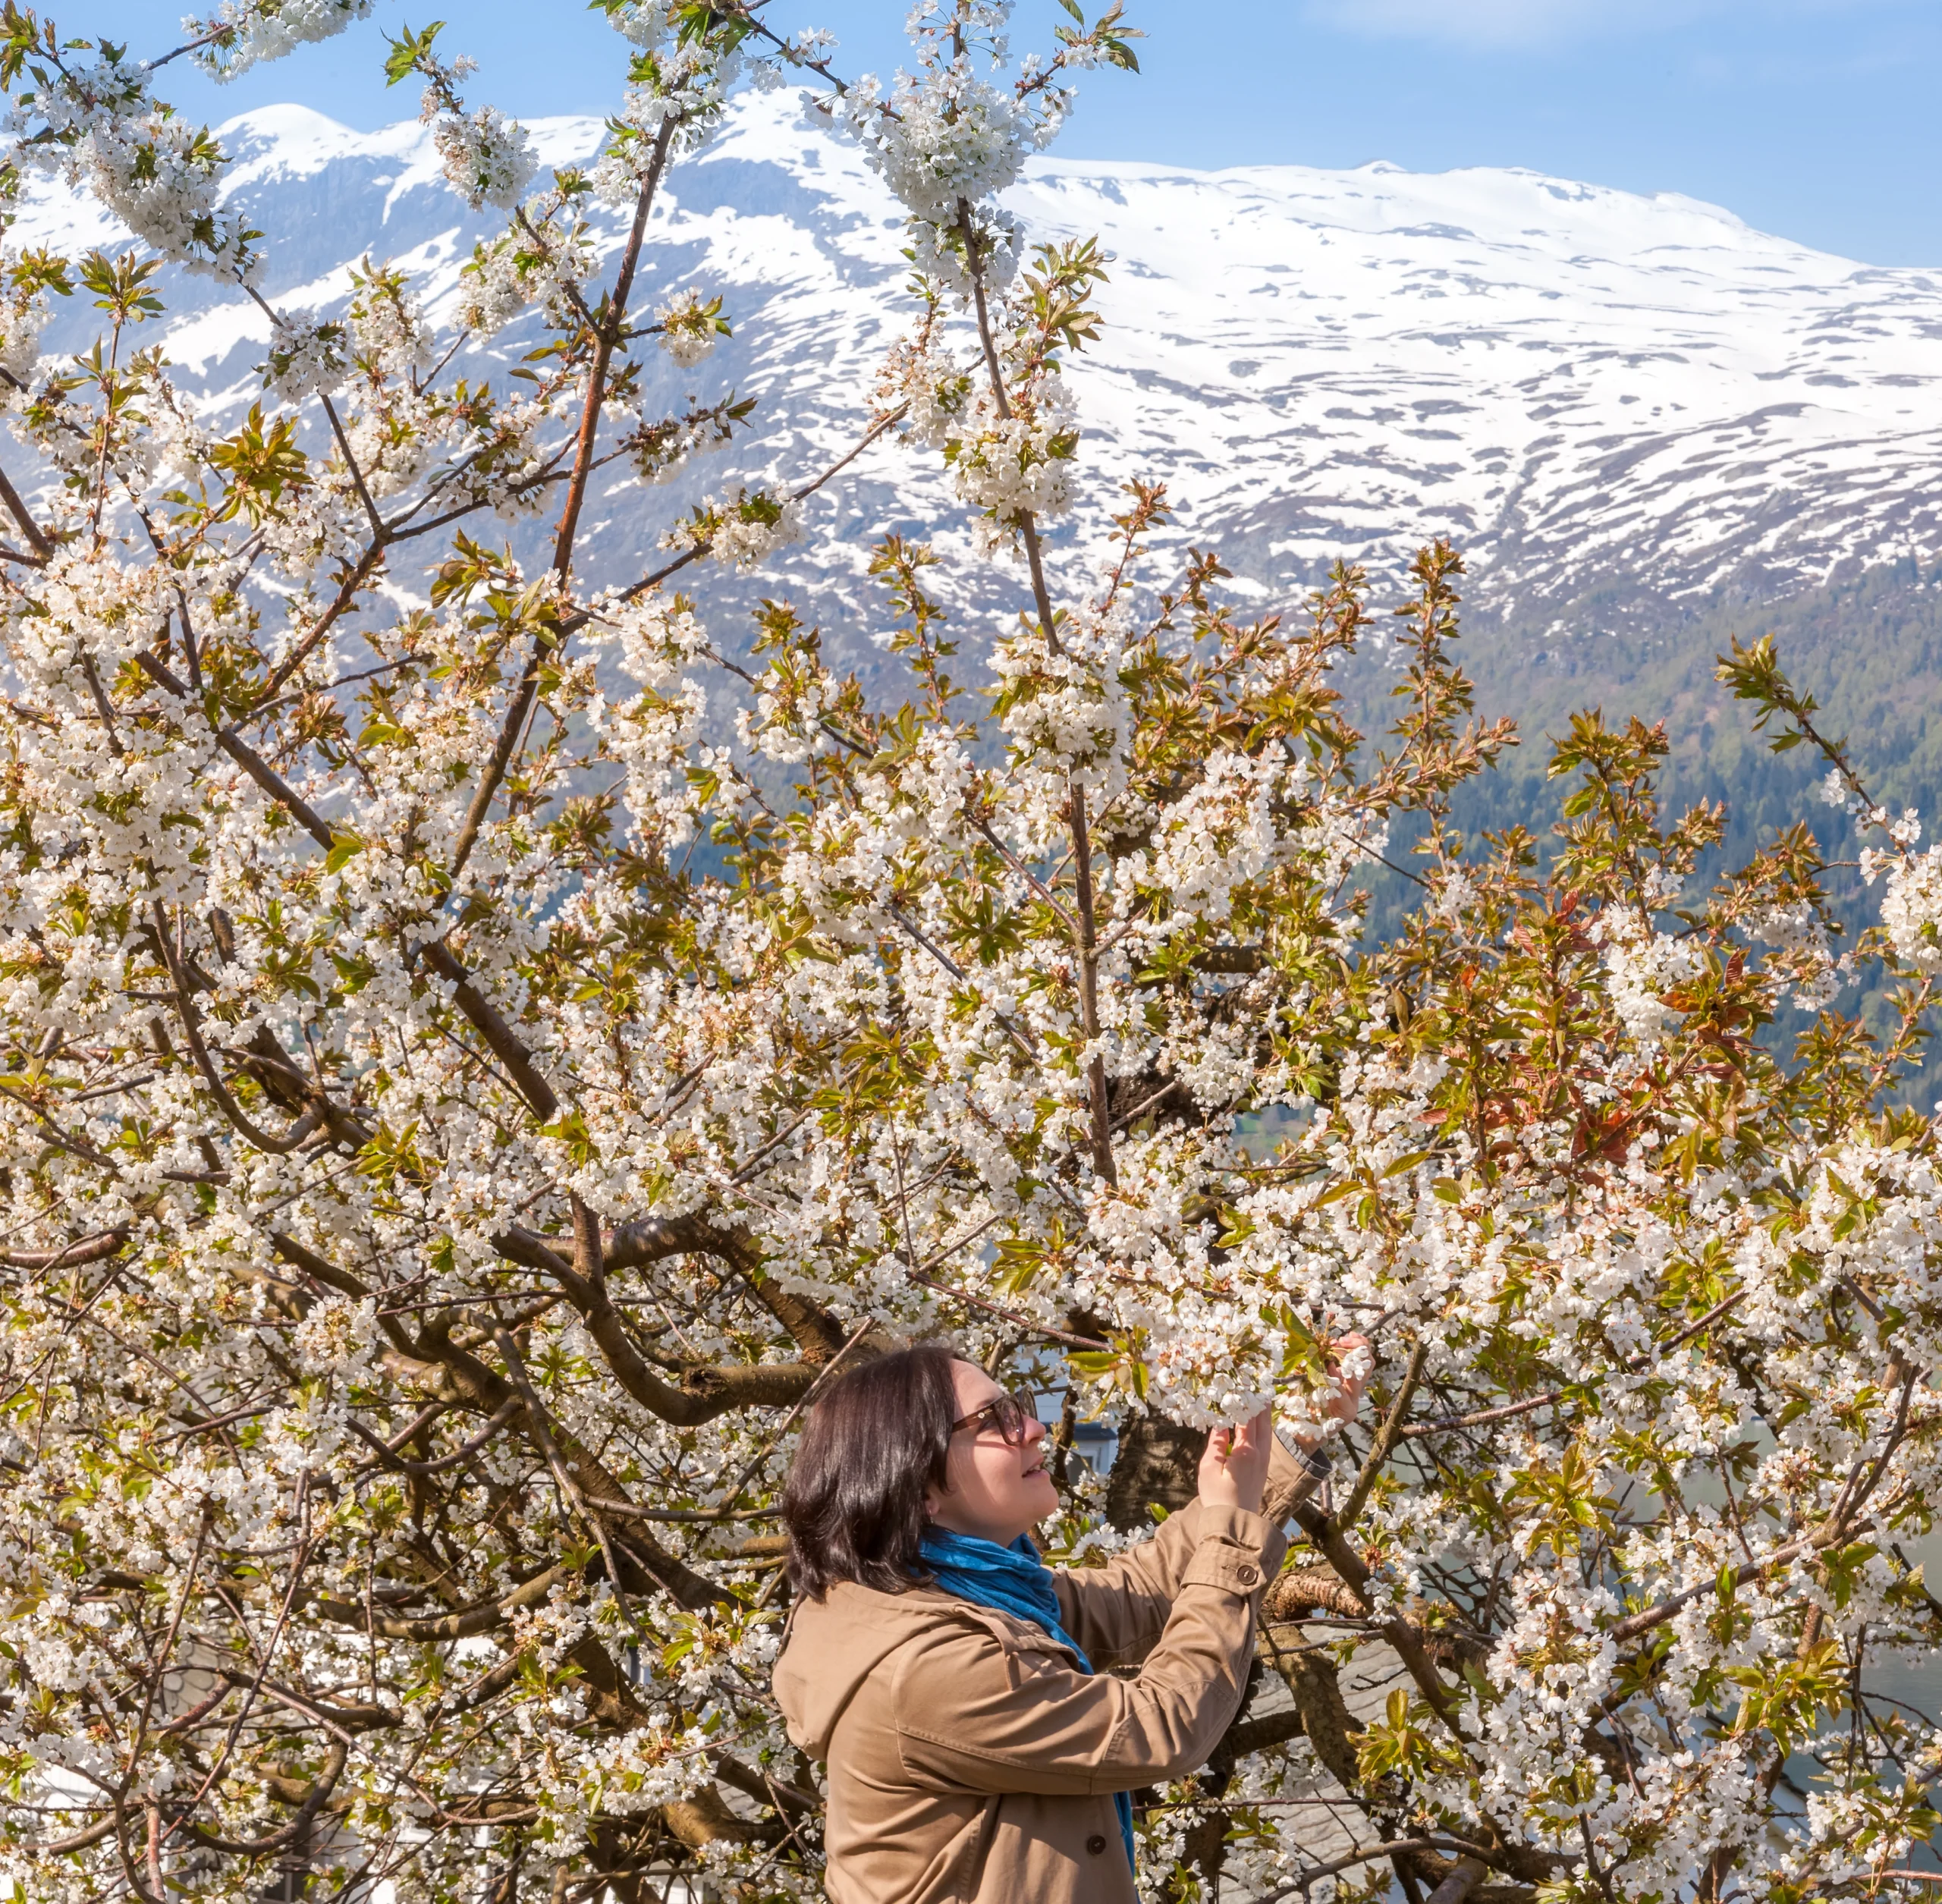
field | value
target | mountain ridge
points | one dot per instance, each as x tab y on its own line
1579	382
1635	414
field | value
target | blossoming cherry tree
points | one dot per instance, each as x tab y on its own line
480	1047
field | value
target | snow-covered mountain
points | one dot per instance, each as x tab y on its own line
1582	385
1605	398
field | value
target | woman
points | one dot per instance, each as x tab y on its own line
979	1753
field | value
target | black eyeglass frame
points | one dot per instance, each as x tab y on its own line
1007	1412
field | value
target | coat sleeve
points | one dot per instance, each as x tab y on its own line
1117	1612
975	1715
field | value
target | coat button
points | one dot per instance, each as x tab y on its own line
1247	1575
1095	1844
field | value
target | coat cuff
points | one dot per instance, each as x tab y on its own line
1232	1552
1293	1476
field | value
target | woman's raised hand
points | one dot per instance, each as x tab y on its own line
1346	1403
1233	1470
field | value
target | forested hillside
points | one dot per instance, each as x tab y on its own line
1867	647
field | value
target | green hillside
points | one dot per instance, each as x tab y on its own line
1868	647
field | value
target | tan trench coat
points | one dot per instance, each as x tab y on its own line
971	1762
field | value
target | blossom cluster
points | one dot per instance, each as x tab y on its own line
1006	463
307	359
1912	910
947	141
689	324
98	126
246	33
543	259
487	157
742	531
24	315
943	138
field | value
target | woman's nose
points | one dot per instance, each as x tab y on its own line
1035	1431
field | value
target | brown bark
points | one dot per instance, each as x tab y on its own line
704	1819
486	1020
89	1250
251	763
701	1392
1303	1590
481	1617
606	338
1157	1464
1247	1736
1325	1717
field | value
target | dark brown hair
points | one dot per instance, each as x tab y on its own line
876	1439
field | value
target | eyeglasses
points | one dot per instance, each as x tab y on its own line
1008	1413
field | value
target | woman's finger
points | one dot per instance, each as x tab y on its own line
1341	1346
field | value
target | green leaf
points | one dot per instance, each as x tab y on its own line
1073	8
407	51
1408	1163
1336	1193
1093	1361
345	848
569	1129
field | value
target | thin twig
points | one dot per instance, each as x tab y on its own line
543	1433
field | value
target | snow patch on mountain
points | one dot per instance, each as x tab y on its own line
1578	383
1592	391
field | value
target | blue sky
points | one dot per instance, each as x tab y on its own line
1817	119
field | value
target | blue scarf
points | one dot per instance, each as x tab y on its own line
1011	1580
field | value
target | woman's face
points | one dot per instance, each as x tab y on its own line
997	1492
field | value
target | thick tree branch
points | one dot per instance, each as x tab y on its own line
703	1393
90	1249
42	543
484	1018
441	1366
185	1005
816	1333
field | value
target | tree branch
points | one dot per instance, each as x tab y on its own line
250	761
1087	949
604	340
185	1006
703	1393
42	543
89	1250
1387	1437
484	1018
